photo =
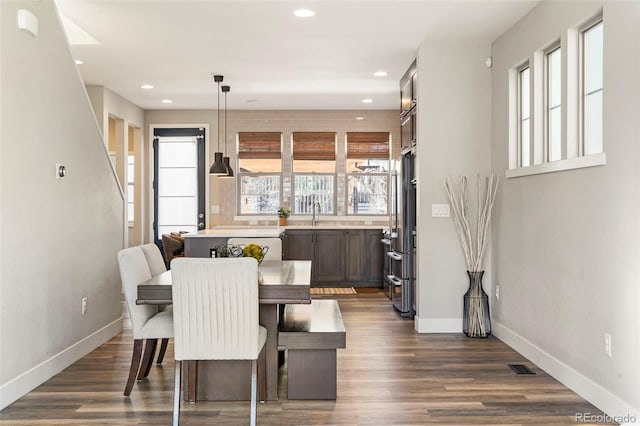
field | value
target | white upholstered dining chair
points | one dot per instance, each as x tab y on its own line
154	259
148	322
215	312
156	266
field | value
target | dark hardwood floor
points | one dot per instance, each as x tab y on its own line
387	375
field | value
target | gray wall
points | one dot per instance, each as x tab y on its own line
59	237
454	117
566	246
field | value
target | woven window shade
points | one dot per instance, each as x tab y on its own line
368	145
259	145
314	146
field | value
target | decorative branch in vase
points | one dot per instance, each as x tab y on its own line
476	317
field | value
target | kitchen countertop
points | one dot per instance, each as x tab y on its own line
269	231
239	231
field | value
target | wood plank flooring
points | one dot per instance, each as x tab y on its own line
387	375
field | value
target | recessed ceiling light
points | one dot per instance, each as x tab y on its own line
367	101
252	100
166	101
304	13
79	62
359	118
380	73
146	86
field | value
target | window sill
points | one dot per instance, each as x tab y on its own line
592	160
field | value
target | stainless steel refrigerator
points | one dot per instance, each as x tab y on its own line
400	278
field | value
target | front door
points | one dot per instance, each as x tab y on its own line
179	181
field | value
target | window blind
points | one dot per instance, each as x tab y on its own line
314	146
259	145
368	145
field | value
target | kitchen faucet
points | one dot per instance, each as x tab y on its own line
316	210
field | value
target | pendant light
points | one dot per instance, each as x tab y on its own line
218	168
225	159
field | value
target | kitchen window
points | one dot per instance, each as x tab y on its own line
314	169
259	172
367	173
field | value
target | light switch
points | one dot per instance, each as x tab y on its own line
215	209
440	210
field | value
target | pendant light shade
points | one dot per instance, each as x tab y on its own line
218	167
225	159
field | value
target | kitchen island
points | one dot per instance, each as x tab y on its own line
341	254
200	244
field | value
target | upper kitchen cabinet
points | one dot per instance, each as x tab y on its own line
408	103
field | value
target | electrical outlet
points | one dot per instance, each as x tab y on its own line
607	344
84	306
497	292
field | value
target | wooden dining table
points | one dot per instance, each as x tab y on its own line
280	282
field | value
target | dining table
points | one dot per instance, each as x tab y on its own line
279	283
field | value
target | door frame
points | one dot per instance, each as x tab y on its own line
152	215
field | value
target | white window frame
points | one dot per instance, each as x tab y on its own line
521	69
556	47
131	161
582	137
240	175
572	103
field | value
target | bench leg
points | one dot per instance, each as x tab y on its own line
311	373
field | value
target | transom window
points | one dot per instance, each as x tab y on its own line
525	123
592	41
554	105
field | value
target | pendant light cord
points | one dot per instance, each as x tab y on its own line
225	123
218	116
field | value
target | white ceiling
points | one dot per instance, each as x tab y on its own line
270	58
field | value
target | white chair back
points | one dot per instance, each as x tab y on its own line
134	269
274	244
154	259
215	308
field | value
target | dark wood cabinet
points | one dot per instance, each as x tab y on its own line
298	245
375	256
328	260
351	257
356	256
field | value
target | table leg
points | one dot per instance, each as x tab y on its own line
269	320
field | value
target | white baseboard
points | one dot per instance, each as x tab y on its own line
619	410
29	380
438	325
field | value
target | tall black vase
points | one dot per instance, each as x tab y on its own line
476	320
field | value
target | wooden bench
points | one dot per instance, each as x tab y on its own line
311	334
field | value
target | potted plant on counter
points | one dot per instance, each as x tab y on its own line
283	214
